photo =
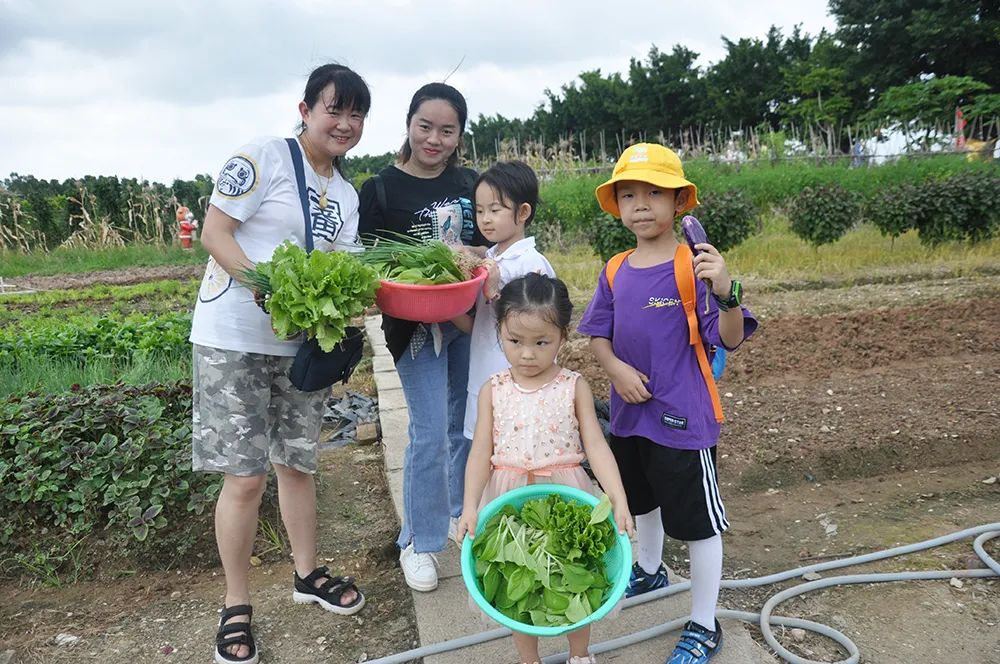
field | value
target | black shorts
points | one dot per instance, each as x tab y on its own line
682	483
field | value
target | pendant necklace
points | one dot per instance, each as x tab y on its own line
322	194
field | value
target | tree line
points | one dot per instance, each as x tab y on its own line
887	63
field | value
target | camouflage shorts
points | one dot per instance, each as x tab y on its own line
246	414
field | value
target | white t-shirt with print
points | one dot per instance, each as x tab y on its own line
485	354
257	187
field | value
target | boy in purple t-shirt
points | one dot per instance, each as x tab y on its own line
663	426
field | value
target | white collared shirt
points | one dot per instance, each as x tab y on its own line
486	355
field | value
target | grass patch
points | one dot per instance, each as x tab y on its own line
65	261
777	255
52	375
863	254
578	268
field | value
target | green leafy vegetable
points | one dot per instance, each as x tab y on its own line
544	564
317	293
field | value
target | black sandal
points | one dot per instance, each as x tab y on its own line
235	634
329	593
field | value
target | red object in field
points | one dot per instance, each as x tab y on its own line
429	304
187	224
959	127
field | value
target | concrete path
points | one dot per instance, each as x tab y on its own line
445	614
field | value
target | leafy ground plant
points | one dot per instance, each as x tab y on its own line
114	458
543	565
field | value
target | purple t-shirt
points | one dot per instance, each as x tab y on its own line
650	333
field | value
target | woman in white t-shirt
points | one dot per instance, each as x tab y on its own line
247	416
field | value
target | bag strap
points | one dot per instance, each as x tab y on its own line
611	269
469	177
300	179
380	193
684	276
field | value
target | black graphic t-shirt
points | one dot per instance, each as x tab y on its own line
438	208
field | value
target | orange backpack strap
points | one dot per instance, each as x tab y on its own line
684	275
611	269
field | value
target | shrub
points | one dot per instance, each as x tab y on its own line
894	211
729	217
609	236
106	457
961	206
821	215
568	209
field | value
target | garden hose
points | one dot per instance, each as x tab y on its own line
765	620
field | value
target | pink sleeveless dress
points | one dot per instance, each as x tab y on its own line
536	436
536	440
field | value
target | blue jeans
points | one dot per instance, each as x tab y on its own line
435	387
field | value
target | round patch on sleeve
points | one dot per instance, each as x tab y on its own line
238	177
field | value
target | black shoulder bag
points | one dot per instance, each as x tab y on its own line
313	368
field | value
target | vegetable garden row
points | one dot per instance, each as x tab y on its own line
83	455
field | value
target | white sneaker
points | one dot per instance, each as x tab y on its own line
453	531
419	569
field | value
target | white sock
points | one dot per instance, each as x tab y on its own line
649	529
706	579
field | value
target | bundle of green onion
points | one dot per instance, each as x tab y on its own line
409	261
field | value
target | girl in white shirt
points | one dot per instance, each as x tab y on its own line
506	200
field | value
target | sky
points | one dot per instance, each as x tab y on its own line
168	90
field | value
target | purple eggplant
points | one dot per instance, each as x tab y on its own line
694	233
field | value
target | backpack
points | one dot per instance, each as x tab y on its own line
684	276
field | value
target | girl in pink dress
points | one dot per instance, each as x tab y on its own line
537	423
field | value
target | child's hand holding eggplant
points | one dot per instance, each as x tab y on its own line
714	273
711	266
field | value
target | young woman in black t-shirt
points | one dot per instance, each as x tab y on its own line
427	195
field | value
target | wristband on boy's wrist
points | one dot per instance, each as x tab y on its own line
735	297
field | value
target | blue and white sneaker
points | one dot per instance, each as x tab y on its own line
640	581
697	644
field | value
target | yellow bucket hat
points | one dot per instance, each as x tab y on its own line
650	163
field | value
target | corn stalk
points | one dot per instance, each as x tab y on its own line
91	234
13	235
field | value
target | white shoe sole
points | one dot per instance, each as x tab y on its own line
219	659
306	598
421	587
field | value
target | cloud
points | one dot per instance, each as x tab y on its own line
168	89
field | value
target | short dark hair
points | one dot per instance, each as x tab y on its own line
516	184
537	294
350	92
430	92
